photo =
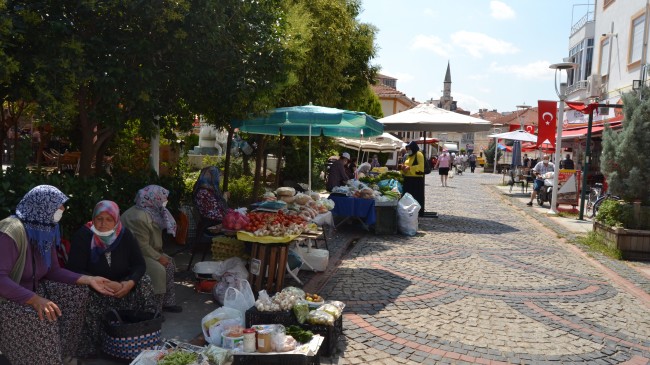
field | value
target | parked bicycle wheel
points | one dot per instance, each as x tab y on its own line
600	201
594	194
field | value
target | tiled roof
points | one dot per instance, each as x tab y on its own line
488	115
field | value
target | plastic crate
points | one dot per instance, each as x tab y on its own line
330	335
285	318
293	359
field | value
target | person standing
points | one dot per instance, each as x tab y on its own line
146	220
443	164
337	175
567	163
472	162
539	170
375	161
413	172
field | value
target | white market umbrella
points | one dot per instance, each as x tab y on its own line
517	135
429	118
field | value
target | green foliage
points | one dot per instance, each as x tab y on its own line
621	161
596	243
296	157
614	214
241	191
190	141
489	153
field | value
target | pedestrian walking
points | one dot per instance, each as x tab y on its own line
443	164
472	162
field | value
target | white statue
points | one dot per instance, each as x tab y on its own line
211	137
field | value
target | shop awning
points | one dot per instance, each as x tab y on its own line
581	132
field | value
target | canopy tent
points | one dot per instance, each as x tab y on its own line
429	118
308	120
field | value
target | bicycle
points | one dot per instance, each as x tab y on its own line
595	193
600	200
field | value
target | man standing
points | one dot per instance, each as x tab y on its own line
337	175
567	163
472	162
539	170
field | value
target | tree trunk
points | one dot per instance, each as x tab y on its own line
88	129
103	141
261	143
226	169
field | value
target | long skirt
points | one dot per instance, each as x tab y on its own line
163	281
415	186
25	339
93	335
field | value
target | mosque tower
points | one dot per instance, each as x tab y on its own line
447	102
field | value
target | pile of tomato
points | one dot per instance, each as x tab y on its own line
267	220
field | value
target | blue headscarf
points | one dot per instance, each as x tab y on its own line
36	211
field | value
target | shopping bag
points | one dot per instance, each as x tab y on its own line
220	319
407	215
129	332
240	298
451	173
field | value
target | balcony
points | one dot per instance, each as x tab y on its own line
580	85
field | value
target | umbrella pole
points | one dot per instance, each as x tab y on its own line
278	164
226	168
309	157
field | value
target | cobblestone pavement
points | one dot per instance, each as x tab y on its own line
484	283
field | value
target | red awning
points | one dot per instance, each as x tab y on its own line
583	131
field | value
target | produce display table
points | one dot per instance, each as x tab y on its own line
361	209
307	354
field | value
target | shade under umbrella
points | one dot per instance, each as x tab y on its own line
309	120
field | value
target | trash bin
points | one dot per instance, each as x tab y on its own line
386	213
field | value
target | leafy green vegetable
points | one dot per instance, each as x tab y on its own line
299	334
178	358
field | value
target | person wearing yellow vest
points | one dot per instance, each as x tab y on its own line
413	172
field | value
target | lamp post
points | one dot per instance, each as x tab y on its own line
523	108
442	137
561	93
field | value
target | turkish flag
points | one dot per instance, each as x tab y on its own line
546	122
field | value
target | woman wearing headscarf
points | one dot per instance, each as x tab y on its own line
413	172
106	248
146	220
207	195
42	305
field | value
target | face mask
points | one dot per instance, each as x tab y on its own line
409	152
164	204
57	215
102	234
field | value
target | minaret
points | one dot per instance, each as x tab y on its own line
446	101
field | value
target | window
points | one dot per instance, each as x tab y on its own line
604	56
636	39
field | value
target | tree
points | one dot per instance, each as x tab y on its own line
622	161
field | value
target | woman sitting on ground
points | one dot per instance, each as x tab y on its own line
106	248
146	220
207	196
33	287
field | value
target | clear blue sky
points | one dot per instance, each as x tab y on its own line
499	51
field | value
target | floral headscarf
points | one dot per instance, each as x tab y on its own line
36	211
209	179
151	199
102	244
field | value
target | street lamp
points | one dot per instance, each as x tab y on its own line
523	108
561	93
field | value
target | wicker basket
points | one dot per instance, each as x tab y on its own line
129	332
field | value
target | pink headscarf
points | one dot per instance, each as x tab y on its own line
101	244
151	199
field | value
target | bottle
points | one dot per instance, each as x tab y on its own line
250	342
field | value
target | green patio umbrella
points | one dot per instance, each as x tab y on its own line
308	120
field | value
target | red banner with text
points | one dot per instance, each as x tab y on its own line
546	122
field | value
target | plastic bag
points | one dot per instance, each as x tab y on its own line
214	323
227	280
240	298
236	219
331	309
233	265
301	310
407	215
320	318
392	184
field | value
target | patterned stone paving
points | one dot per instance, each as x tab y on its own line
486	283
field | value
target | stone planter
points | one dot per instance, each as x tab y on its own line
634	244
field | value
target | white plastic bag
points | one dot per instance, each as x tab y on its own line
240	297
407	215
214	323
234	265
